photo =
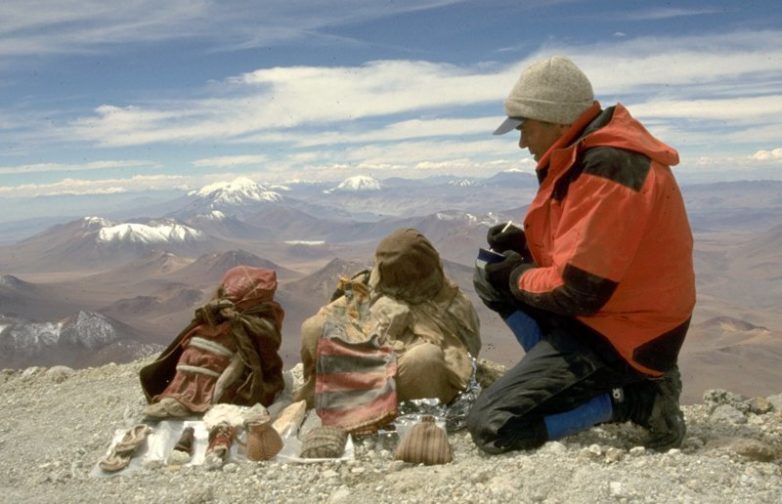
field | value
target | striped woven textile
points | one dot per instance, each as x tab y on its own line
354	383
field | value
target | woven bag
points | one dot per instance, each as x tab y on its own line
324	442
425	443
355	388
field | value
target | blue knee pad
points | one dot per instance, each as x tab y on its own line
524	327
597	410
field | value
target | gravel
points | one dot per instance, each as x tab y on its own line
56	423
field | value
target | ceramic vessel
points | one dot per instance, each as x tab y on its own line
263	441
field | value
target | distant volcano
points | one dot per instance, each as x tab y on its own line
359	183
240	191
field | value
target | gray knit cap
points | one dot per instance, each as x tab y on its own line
553	90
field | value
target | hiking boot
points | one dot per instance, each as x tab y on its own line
654	405
666	421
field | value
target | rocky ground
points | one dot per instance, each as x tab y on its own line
56	423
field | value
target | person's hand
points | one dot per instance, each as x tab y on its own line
512	238
501	302
499	273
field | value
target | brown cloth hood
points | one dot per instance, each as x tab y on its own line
407	267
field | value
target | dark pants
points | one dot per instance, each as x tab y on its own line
558	374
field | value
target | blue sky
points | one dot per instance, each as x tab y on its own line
137	96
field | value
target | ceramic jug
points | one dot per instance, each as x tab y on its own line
263	441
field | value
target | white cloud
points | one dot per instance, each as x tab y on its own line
409	159
686	78
680	65
395	131
278	98
416	151
742	109
60	167
705	168
71	186
755	134
68	26
658	13
415	116
457	167
766	155
71	26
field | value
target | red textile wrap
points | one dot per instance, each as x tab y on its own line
243	319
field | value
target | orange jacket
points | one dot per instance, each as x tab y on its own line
610	239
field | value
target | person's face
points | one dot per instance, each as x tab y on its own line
538	136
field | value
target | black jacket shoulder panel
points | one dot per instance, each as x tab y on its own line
563	184
624	167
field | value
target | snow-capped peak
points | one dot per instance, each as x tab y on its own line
237	192
91	330
455	215
308	243
96	222
489	219
162	232
88	330
359	183
9	281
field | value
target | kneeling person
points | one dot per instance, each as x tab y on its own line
602	272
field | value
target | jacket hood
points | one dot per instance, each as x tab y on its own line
625	132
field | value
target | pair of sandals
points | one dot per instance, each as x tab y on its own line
125	449
131	441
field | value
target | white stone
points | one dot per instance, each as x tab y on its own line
615	489
342	494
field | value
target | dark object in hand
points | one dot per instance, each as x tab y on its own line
499	273
512	238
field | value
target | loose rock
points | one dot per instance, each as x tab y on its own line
53	436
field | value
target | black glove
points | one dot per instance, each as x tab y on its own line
512	238
501	302
499	273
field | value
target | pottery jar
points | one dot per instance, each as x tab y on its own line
263	441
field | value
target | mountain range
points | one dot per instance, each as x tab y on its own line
142	277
